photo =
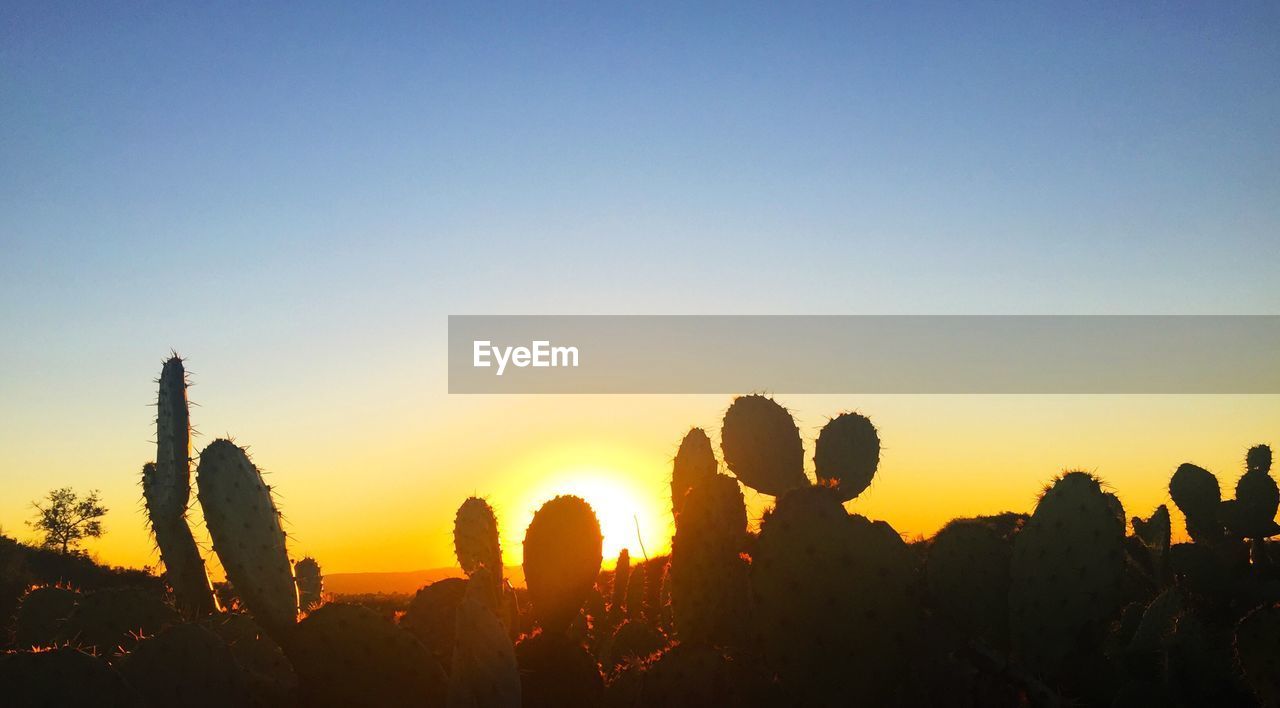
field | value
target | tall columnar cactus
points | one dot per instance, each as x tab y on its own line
1195	490
835	606
475	542
247	535
709	583
166	489
636	591
621	578
694	462
562	555
310	581
762	446
847	454
484	673
1068	564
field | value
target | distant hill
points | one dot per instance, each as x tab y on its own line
406	582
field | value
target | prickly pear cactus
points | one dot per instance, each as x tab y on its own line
562	555
484	673
633	641
694	462
269	673
696	675
432	616
1252	513
556	671
186	665
835	601
1068	564
247	535
346	655
710	589
847	454
475	541
636	590
967	572
166	490
107	621
40	615
762	446
1195	490
1257	648
62	677
310	581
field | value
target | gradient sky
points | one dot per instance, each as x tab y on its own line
295	197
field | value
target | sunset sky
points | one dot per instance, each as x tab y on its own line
295	198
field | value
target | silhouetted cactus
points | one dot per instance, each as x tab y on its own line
475	541
694	462
1252	513
1195	490
847	454
562	555
618	592
556	671
484	672
762	446
633	640
166	489
62	677
696	675
636	592
310	581
40	615
968	579
247	535
432	616
709	579
1257	649
186	665
836	609
1068	563
110	620
271	679
346	655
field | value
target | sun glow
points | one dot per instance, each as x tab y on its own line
629	513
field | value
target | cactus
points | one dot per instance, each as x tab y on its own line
484	673
762	446
186	665
1195	490
621	578
1068	564
41	613
247	535
108	620
62	677
269	673
166	490
1252	513
694	462
1155	534
1257	649
556	671
636	585
432	616
847	454
562	555
967	573
709	580
632	641
475	541
310	581
835	603
347	655
695	675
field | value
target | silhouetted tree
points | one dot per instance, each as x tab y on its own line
65	519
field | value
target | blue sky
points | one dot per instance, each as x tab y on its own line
297	195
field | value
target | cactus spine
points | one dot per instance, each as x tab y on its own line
247	535
166	489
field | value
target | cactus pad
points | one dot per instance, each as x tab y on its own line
847	454
562	555
762	446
